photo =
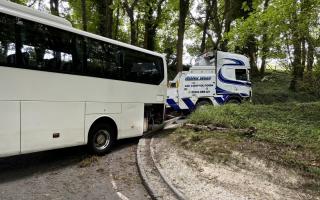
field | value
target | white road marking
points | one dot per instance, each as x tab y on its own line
115	187
122	196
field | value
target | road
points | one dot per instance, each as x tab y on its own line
73	174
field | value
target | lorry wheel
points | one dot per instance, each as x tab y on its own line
202	103
234	101
101	139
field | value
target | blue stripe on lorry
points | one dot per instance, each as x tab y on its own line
173	105
189	103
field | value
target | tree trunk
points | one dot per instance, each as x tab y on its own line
149	31
133	31
149	37
151	24
251	44
116	28
263	62
297	72
204	31
252	54
138	30
265	46
183	12
298	68
102	14
310	57
84	15
227	23
303	52
130	12
54	7
216	23
264	51
109	20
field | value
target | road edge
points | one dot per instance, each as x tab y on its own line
177	192
142	173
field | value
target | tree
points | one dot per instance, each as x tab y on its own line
117	20
130	13
205	30
109	16
152	22
84	15
205	15
251	47
54	7
265	42
232	11
183	12
297	71
105	17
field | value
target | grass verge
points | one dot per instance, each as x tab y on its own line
286	134
273	88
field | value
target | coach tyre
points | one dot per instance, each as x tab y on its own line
101	139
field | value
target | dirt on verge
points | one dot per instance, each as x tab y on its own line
199	179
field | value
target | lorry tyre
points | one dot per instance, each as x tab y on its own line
234	101
101	139
202	103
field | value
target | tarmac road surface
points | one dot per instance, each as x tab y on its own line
73	174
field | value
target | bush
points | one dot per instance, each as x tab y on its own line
311	84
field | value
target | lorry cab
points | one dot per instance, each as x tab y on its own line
215	78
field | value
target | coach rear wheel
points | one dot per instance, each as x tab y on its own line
101	139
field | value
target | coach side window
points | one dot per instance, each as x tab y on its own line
143	68
7	40
101	60
47	48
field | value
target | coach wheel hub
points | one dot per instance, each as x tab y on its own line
102	139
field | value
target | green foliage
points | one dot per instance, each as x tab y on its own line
23	2
311	84
291	123
278	23
273	88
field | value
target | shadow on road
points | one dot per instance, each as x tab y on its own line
22	166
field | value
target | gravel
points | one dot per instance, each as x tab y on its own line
198	179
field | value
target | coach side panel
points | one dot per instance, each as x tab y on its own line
10	128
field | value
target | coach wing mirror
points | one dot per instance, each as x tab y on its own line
120	58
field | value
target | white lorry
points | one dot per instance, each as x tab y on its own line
216	78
